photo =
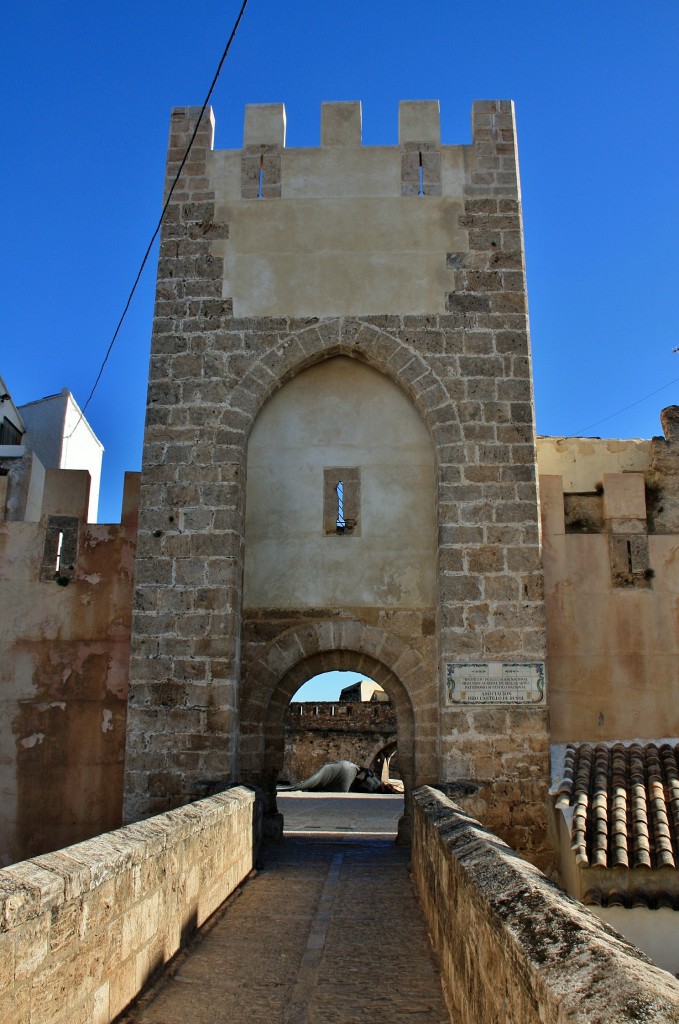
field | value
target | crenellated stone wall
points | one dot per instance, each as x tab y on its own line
322	731
274	261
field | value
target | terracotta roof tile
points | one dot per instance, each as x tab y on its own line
630	900
625	802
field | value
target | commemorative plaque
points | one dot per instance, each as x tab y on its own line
496	682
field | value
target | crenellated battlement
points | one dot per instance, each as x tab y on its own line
354	229
341	124
419	146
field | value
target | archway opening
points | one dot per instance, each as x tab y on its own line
292	658
340	733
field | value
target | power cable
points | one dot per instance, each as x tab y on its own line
579	433
160	219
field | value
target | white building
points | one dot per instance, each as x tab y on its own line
56	435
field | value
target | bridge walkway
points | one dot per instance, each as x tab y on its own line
329	931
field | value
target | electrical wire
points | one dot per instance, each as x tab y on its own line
579	433
160	219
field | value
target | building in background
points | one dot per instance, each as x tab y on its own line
12	427
61	437
362	690
48	434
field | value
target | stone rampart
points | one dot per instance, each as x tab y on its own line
514	948
321	731
83	929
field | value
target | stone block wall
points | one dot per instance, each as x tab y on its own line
236	318
83	930
512	947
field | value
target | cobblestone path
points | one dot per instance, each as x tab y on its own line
326	933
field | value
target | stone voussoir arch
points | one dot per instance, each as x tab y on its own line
299	653
358	339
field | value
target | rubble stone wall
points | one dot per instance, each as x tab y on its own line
318	732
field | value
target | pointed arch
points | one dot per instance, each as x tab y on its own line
314	342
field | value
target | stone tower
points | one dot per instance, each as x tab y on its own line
339	460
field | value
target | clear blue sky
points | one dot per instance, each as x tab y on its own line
87	90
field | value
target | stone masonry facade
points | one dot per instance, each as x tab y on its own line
466	367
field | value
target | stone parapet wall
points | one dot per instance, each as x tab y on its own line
82	930
513	947
342	716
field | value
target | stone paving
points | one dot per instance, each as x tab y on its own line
360	814
328	932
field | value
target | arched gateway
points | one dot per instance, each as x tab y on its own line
271	681
339	460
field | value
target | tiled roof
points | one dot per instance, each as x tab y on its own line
625	802
631	900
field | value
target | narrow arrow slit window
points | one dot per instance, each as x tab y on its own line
341	500
340	505
60	542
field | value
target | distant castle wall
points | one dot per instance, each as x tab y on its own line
320	731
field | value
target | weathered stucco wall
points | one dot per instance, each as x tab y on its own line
612	653
82	930
65	640
316	733
656	932
582	461
340	413
343	242
513	948
611	600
